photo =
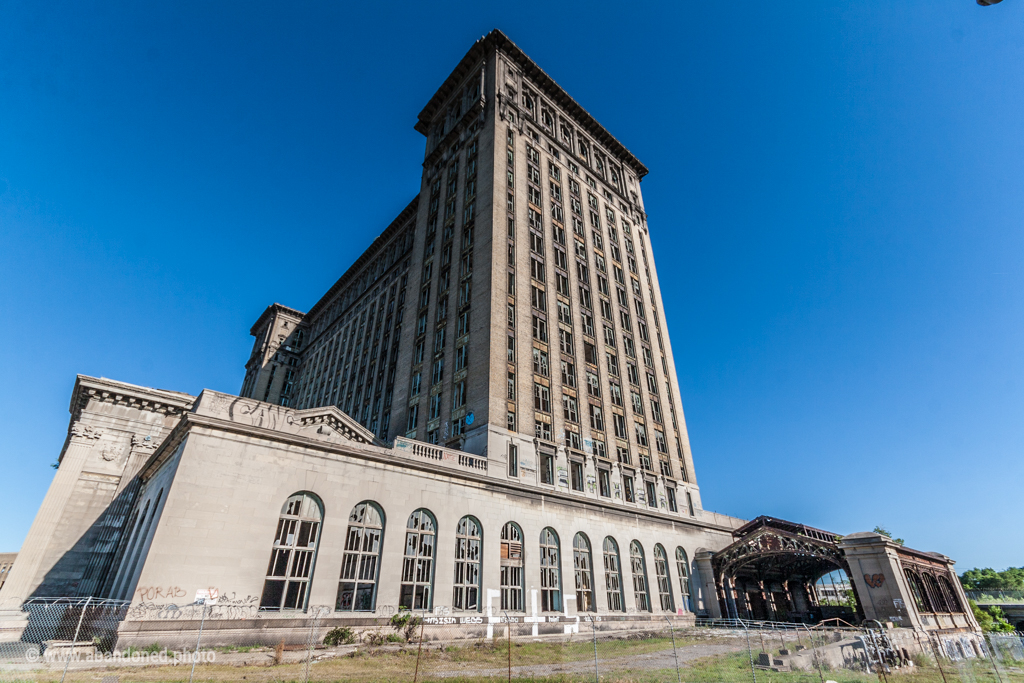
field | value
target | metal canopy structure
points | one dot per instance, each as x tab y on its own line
769	573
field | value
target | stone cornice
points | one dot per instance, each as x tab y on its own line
369	253
271	310
332	417
386	457
475	112
869	538
170	403
499	41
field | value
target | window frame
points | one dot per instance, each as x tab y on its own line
358	579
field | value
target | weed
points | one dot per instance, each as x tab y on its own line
342	635
405	623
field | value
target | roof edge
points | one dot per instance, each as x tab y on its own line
270	310
353	270
498	40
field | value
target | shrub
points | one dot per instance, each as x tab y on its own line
405	623
339	636
922	660
374	638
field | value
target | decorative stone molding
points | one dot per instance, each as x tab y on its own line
329	422
85	433
112	447
142	444
170	403
130	401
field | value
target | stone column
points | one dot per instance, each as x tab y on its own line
798	595
590	475
25	575
561	469
24	578
705	581
616	477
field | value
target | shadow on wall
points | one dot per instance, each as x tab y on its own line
88	568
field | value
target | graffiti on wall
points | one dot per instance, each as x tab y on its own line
228	606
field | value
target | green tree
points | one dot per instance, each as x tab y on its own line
885	532
992	620
989	579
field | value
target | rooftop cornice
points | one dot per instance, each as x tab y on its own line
132	395
271	310
472	113
385	457
367	254
499	41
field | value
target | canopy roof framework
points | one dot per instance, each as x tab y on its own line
769	572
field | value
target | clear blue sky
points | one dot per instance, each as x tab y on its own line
835	202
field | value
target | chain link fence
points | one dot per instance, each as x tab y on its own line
112	642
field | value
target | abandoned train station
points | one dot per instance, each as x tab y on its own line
469	422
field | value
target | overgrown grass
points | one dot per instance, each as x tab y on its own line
644	660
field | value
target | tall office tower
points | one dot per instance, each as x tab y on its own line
512	309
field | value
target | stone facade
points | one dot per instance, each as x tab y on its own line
513	306
207	500
71	545
481	416
906	587
6	563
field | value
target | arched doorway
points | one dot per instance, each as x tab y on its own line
773	570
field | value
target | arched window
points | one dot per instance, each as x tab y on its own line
917	588
583	567
550	572
418	567
612	575
360	568
683	567
664	583
952	600
294	554
468	541
512	567
935	593
639	566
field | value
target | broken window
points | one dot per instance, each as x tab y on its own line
512	567
294	554
550	572
360	569
583	569
468	541
639	566
664	583
612	575
418	566
683	567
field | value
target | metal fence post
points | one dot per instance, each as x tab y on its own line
199	638
750	653
508	629
75	639
939	654
815	655
988	648
593	627
675	652
878	655
314	620
419	651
